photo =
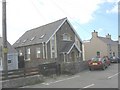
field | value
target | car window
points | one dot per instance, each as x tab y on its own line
103	59
113	57
96	59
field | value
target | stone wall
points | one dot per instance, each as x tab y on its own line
23	81
73	67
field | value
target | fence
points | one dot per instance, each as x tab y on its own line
44	69
49	69
20	73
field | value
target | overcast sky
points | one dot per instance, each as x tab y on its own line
84	15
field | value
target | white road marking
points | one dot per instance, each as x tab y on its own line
60	80
45	83
89	86
113	75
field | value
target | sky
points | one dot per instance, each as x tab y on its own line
84	15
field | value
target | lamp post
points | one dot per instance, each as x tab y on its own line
4	33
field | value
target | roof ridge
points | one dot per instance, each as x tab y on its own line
105	38
47	24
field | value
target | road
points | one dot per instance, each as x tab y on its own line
86	79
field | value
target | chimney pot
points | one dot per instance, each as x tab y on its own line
108	36
94	34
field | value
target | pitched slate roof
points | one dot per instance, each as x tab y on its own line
68	47
108	41
40	34
10	48
105	40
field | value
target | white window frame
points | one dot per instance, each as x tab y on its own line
53	44
53	54
24	40
20	53
27	53
66	37
38	51
9	58
32	38
41	37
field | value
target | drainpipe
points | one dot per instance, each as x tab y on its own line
46	50
64	56
43	50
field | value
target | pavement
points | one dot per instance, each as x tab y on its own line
107	78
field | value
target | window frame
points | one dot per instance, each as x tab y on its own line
27	54
38	53
20	52
10	58
53	47
66	37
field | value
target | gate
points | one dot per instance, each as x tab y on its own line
21	62
49	69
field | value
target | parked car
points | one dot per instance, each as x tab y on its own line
107	60
115	60
118	58
98	63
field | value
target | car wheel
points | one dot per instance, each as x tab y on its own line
103	68
90	69
106	66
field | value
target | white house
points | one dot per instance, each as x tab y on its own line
12	56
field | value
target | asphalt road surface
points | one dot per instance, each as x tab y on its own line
107	78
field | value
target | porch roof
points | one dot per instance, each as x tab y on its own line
68	47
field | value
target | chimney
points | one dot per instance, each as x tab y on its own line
108	36
94	34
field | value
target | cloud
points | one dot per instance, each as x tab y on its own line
114	9
100	29
111	1
80	9
23	15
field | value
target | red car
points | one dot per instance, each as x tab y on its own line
98	63
107	60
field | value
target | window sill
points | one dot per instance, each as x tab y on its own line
27	59
67	62
67	40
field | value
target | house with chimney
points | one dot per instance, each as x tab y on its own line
102	46
12	56
53	42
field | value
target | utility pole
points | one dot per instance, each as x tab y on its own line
4	32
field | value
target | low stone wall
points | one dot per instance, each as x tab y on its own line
23	81
82	65
73	67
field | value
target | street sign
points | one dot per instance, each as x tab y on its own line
5	50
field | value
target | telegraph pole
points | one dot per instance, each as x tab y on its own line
4	34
